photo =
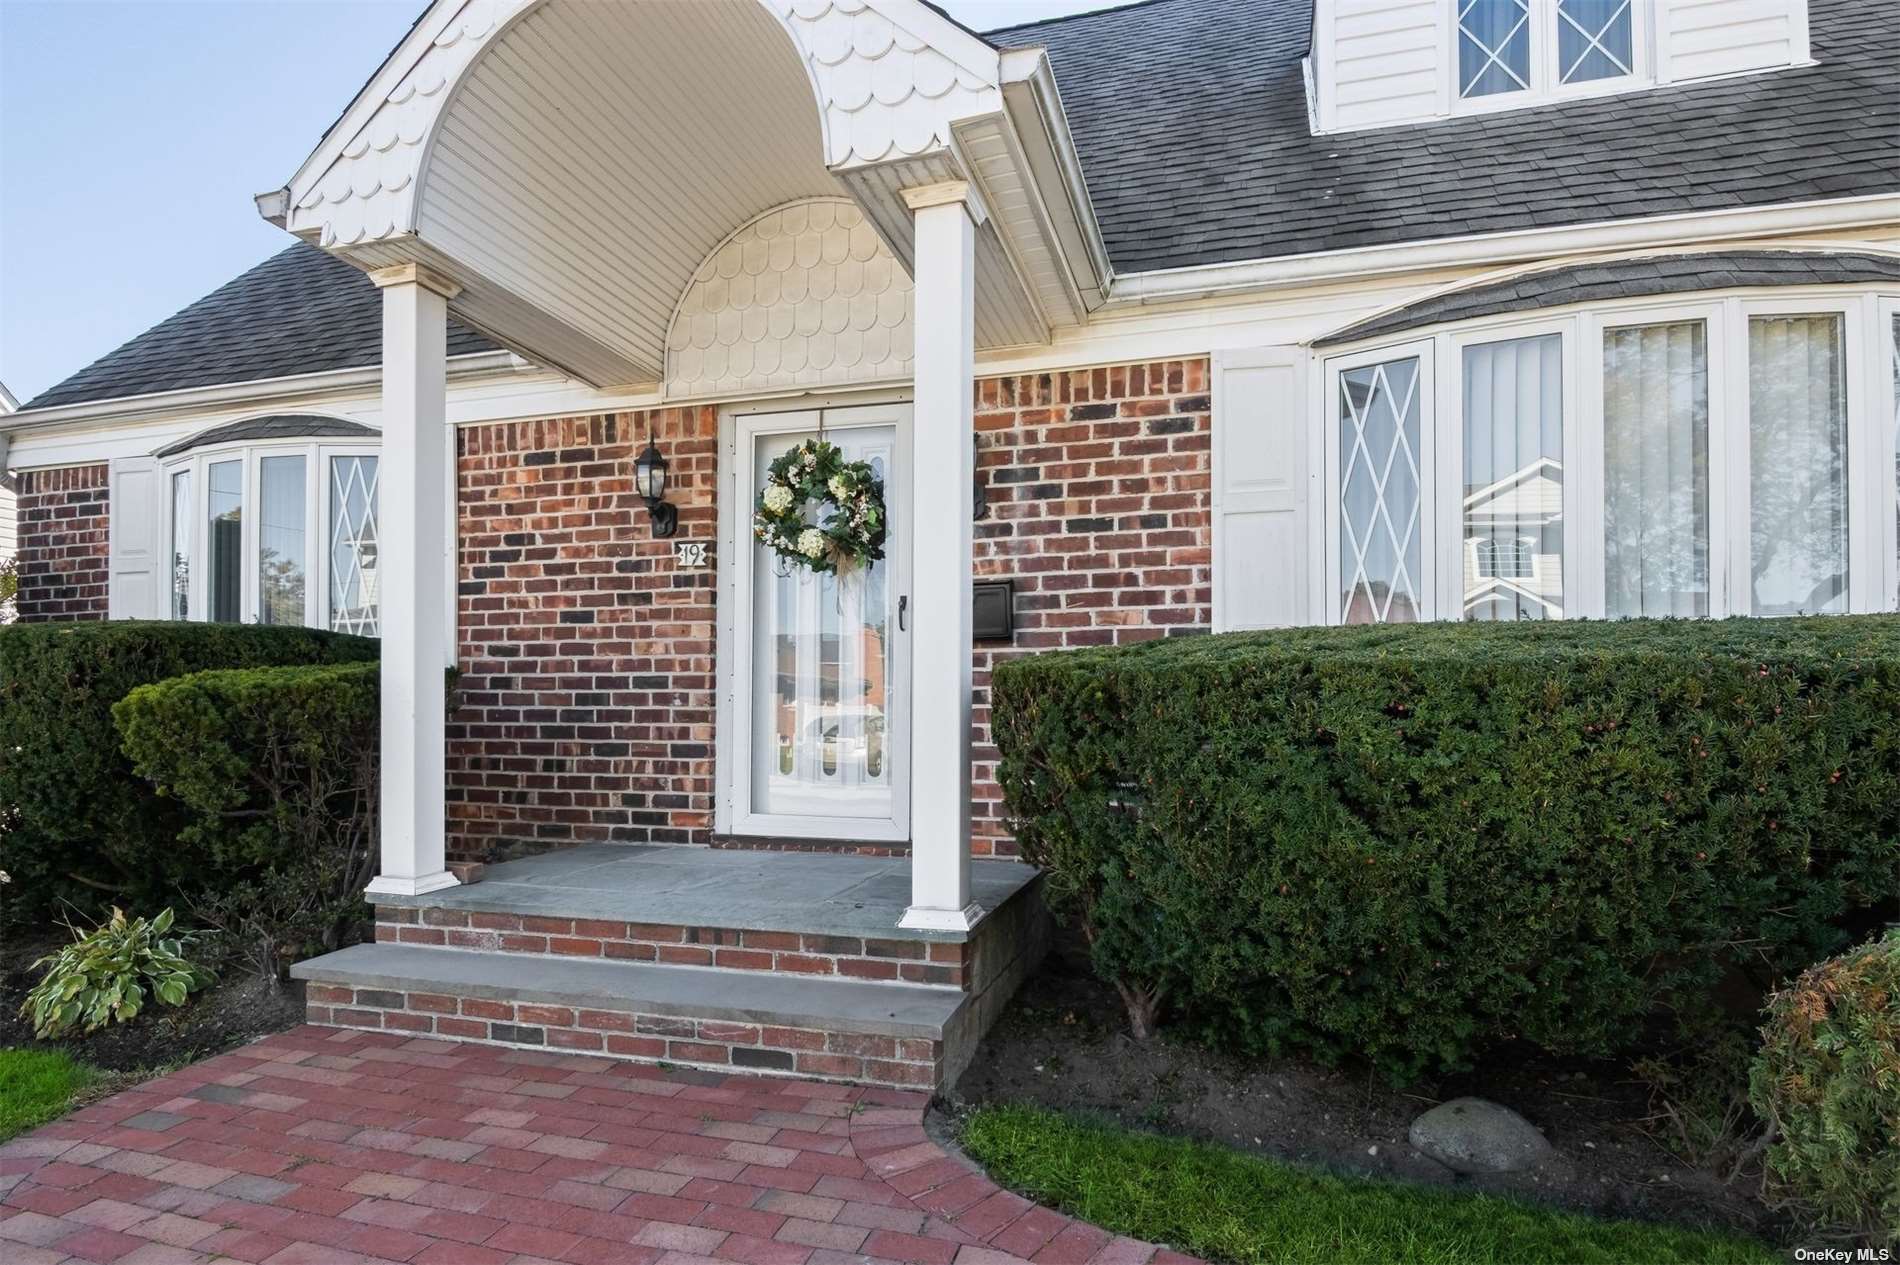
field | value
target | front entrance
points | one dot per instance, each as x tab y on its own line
819	675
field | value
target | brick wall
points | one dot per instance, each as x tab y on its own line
587	658
62	517
1098	484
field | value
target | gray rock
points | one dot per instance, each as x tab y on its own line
1470	1135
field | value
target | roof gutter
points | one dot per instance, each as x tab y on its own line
261	391
1168	285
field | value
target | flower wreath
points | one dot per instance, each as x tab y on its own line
850	499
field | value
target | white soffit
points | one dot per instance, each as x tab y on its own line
572	164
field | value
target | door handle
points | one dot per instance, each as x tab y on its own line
903	604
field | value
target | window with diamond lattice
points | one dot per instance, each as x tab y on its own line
1596	39
354	601
1380	545
1494	47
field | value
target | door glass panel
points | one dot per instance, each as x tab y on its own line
181	545
821	659
1379	541
280	540
353	589
1595	40
1797	480
224	541
1514	479
1656	470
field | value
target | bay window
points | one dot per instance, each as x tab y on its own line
1639	458
273	533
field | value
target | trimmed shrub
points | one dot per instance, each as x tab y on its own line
277	768
1413	843
107	975
76	823
1828	1082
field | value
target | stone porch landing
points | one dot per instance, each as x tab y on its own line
776	962
320	1147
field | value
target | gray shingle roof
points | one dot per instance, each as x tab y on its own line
1627	279
300	311
277	426
1190	116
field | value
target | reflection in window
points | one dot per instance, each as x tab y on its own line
1656	470
1494	47
181	545
1797	484
280	540
1596	39
353	554
1514	479
224	539
1379	543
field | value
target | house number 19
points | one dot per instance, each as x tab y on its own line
689	554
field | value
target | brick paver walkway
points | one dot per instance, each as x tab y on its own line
318	1147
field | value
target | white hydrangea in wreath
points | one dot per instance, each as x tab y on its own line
849	499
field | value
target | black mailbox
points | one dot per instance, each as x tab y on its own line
993	612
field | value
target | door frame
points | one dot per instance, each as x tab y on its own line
739	428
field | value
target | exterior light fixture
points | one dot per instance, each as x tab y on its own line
649	480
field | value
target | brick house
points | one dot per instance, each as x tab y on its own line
1192	315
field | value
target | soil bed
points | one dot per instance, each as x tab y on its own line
236	1008
1064	1044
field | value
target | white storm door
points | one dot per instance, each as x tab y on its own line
821	704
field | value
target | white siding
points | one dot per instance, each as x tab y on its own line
9	537
1379	61
1699	38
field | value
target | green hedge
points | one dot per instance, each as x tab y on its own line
76	823
277	769
1416	843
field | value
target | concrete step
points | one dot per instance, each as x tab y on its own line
766	1022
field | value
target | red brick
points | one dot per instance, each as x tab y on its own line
570	1039
697	1052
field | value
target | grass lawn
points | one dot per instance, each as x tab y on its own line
38	1085
1224	1205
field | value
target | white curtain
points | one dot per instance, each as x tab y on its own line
1514	479
1797	438
1656	470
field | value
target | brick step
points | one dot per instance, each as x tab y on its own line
769	1023
934	963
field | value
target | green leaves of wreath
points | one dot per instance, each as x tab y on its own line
849	531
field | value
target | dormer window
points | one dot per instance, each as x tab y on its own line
1377	63
1539	46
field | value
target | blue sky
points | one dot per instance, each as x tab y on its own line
133	134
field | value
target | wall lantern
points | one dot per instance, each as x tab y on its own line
649	480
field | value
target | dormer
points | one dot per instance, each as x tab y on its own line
1380	62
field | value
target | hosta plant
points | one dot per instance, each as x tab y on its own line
110	973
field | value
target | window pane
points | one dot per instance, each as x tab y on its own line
281	560
1656	470
1595	40
1797	482
224	541
181	545
1379	543
1494	47
353	589
1514	479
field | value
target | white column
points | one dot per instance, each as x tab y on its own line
412	525
943	466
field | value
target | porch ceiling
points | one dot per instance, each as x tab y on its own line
571	164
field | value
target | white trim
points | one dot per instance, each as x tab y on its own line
1207	280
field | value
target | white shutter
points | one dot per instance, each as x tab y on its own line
133	530
1262	557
